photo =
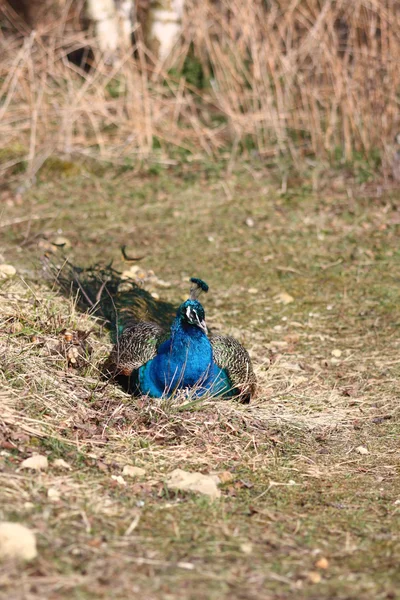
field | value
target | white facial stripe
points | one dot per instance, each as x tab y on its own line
193	317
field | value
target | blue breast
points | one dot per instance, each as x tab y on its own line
183	361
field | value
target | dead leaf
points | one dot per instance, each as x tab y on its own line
322	563
225	476
17	541
68	335
38	462
131	471
95	543
194	482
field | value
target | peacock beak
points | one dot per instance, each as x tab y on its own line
202	325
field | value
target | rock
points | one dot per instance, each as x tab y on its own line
119	479
17	541
314	577
362	450
194	482
336	353
134	272
60	463
37	462
7	271
131	471
53	494
162	283
246	548
61	242
283	298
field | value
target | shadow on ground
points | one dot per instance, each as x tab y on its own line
101	291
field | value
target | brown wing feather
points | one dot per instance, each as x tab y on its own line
229	354
136	346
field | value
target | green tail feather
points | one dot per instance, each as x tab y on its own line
98	290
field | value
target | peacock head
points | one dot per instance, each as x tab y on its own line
191	312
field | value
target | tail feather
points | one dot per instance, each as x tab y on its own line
101	291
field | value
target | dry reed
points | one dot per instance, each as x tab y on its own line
284	77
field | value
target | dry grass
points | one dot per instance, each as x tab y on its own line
96	534
293	78
295	486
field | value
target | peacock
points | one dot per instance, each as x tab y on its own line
160	362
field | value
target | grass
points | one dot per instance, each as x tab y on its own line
295	488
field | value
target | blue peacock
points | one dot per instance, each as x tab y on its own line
160	362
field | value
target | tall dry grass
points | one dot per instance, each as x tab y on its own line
320	72
290	76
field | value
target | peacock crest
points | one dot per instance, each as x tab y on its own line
197	288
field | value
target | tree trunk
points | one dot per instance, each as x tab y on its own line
113	23
164	26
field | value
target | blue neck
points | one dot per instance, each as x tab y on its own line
183	361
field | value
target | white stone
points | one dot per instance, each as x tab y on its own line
7	271
38	462
17	541
131	471
60	463
194	482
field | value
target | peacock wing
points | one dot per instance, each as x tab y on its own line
137	344
233	358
